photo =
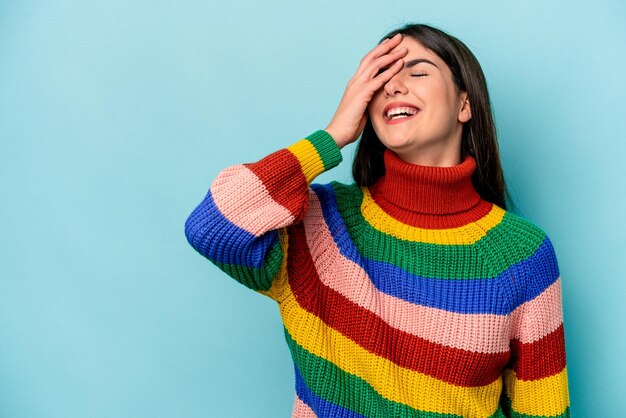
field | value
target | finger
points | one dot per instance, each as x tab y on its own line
371	69
386	39
380	79
387	44
381	49
376	66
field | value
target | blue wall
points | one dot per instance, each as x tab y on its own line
115	117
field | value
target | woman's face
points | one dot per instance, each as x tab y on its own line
425	86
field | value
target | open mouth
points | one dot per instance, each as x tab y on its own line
395	111
398	114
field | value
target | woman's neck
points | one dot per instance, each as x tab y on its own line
429	196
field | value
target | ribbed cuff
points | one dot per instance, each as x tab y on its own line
316	153
327	148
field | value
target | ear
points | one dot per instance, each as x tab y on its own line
465	113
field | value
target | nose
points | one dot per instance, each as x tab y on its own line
395	85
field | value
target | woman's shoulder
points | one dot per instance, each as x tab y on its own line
336	190
526	236
522	226
338	203
530	261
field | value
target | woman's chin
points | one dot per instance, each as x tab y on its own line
398	143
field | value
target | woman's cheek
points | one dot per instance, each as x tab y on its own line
371	111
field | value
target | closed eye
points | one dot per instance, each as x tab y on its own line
418	75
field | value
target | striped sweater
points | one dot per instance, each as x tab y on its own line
410	298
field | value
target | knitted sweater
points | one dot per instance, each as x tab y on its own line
410	298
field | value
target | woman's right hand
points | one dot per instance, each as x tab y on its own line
350	117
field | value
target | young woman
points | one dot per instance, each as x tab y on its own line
413	292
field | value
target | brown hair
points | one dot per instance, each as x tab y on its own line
479	137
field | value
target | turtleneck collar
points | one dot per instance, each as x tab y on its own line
408	190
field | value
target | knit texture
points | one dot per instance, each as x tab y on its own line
410	298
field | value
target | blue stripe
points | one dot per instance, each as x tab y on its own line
220	240
321	407
532	275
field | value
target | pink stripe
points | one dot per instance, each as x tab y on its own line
541	316
302	410
474	332
244	200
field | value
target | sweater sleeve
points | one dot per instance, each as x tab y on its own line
242	223
535	378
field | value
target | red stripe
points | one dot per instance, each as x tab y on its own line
283	178
430	221
542	358
372	333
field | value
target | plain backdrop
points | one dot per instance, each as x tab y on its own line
115	116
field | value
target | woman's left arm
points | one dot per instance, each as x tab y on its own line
535	379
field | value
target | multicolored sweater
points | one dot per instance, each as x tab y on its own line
411	298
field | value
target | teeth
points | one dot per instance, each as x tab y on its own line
400	110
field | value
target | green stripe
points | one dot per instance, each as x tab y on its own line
499	413
327	148
257	278
348	391
513	414
352	392
433	260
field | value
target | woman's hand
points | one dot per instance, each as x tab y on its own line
350	117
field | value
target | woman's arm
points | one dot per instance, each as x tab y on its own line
535	379
241	225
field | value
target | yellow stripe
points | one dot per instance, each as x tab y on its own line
279	286
310	160
467	234
544	397
391	381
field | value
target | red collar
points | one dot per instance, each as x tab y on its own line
419	195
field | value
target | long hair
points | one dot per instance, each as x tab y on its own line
479	137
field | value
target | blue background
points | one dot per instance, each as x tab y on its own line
115	117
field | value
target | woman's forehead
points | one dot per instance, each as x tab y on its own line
419	54
414	46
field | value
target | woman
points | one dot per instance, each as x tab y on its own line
412	292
